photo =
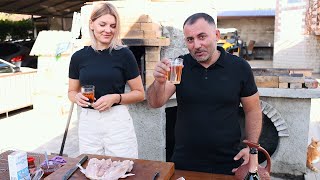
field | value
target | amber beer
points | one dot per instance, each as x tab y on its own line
88	91
174	75
90	96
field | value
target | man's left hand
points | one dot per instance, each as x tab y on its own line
244	154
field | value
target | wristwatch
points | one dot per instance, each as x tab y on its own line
253	150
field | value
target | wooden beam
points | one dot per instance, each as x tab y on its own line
7	4
74	5
31	4
53	5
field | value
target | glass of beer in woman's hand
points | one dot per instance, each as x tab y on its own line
88	91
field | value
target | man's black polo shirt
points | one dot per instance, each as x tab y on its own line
207	129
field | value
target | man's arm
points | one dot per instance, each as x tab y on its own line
253	116
160	90
253	124
158	94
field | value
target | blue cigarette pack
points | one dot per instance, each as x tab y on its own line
18	166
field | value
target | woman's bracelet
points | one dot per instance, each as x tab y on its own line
120	99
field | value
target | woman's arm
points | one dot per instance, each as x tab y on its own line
74	88
136	94
75	95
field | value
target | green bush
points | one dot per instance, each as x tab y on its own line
15	29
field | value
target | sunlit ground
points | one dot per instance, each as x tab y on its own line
32	130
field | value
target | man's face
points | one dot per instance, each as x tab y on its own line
201	39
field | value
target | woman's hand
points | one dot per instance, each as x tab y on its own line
81	100
105	102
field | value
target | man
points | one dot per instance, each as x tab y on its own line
213	83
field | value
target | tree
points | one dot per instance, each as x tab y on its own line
15	29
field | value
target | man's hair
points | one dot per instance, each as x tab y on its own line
193	18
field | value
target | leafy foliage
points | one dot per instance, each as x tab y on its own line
15	29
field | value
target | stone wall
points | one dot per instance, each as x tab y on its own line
294	47
290	156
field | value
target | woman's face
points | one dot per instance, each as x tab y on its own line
103	29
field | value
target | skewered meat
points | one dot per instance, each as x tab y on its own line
107	169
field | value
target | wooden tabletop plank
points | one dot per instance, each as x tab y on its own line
143	169
199	175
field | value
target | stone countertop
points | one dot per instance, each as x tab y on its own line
24	70
289	93
284	93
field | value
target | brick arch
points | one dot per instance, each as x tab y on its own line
275	117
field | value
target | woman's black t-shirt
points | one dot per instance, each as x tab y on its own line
108	72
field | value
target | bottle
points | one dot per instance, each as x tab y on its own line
31	165
253	169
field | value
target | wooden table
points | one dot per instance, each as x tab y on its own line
192	175
144	169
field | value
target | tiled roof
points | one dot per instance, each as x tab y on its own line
246	13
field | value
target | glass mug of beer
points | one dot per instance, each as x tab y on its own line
174	75
88	91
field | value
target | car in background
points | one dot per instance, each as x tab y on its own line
17	53
6	67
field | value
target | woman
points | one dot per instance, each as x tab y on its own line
105	126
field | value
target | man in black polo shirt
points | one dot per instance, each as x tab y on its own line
213	84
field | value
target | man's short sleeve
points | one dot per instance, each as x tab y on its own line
249	86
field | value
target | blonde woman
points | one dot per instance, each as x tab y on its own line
105	126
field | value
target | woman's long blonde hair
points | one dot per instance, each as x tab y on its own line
99	10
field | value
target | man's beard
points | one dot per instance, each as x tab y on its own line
201	59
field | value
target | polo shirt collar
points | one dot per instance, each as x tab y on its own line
220	62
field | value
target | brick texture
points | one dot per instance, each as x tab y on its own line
295	46
267	81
